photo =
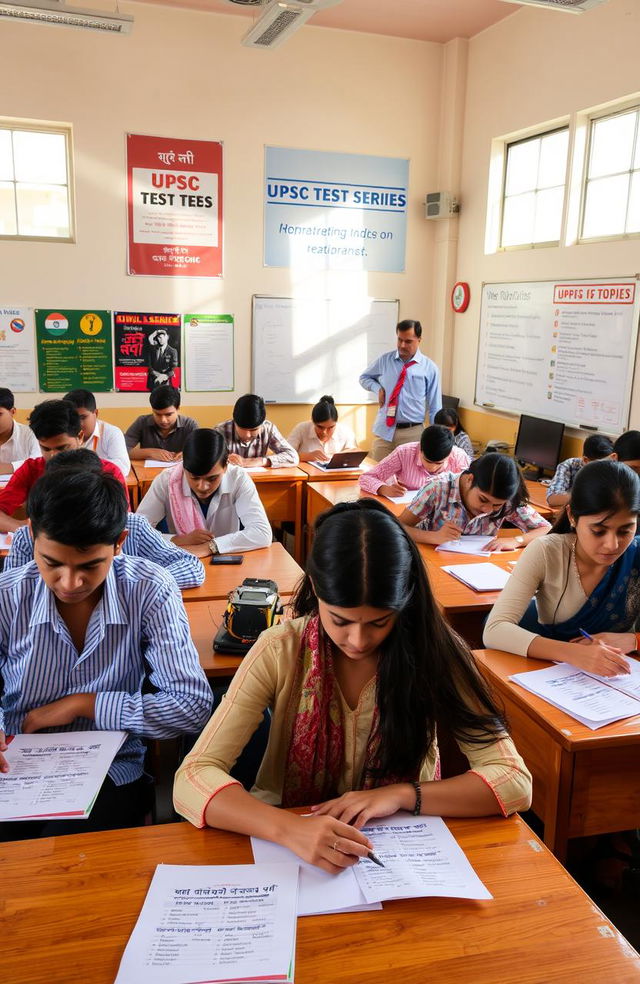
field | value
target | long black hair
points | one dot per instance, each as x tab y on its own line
361	555
499	476
448	417
600	487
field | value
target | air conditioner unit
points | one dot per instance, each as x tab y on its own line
281	18
440	205
569	6
50	12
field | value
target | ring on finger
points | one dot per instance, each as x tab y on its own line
335	845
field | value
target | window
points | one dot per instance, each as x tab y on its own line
612	186
35	194
533	195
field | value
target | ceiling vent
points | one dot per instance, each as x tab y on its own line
280	19
50	12
569	6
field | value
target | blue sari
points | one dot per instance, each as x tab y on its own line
613	606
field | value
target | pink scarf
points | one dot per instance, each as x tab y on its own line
187	514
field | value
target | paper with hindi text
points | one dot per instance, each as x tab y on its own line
586	697
212	923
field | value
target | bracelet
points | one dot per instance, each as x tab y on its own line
418	807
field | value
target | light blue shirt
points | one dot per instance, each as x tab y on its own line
137	634
142	541
419	394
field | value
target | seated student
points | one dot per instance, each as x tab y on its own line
489	493
91	640
56	426
253	440
321	437
211	506
17	441
627	450
595	447
584	575
142	539
105	439
409	466
160	435
345	739
448	417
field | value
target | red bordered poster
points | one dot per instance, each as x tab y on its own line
174	207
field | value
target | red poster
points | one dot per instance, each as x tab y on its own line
174	207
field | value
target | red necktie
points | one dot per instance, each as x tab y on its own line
392	405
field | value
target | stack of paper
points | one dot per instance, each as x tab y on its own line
230	923
592	700
480	577
152	463
403	499
476	545
56	776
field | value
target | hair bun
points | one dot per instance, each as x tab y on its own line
326	399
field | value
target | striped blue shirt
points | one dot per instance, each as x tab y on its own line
142	541
137	634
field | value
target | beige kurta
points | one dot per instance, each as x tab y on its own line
265	679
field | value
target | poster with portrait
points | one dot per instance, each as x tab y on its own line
74	349
147	350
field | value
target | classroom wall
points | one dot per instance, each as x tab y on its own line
536	66
184	74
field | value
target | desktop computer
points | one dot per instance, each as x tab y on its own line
538	445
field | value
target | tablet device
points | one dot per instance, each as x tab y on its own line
342	459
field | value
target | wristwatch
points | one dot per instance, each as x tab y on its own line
519	540
213	547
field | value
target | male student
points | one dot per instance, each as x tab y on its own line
17	441
253	440
92	640
595	447
210	506
106	440
407	385
163	359
627	450
410	466
56	426
142	539
160	435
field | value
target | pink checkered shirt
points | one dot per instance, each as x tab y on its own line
440	501
404	465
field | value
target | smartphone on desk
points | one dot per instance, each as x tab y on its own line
227	559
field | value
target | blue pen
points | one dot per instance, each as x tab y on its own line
586	635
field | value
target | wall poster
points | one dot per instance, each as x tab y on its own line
147	350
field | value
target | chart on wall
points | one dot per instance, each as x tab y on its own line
562	350
74	350
208	352
17	349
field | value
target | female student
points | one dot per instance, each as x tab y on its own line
210	506
584	575
489	493
409	466
355	683
449	418
321	437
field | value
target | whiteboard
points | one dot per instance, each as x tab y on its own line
304	348
562	350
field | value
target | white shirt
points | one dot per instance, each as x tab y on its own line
304	439
236	501
21	445
108	443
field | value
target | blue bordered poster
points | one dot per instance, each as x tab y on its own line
335	211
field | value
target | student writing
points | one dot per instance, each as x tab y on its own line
323	436
160	435
411	465
489	493
584	575
355	684
253	440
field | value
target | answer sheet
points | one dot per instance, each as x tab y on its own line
480	577
212	923
56	775
319	892
586	698
476	545
402	499
152	463
421	857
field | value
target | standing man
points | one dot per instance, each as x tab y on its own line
408	388
163	359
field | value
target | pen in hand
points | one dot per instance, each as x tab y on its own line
372	857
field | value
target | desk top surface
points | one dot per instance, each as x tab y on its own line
72	903
147	475
454	596
538	498
347	491
497	667
269	562
205	618
316	474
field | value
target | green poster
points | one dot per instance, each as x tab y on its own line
74	350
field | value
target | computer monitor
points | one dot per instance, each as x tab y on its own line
450	402
538	443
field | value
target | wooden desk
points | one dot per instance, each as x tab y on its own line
538	498
316	474
72	902
205	617
133	487
452	595
584	782
270	562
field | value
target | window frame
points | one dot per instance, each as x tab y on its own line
62	129
592	119
542	244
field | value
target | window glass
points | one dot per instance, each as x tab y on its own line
35	198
